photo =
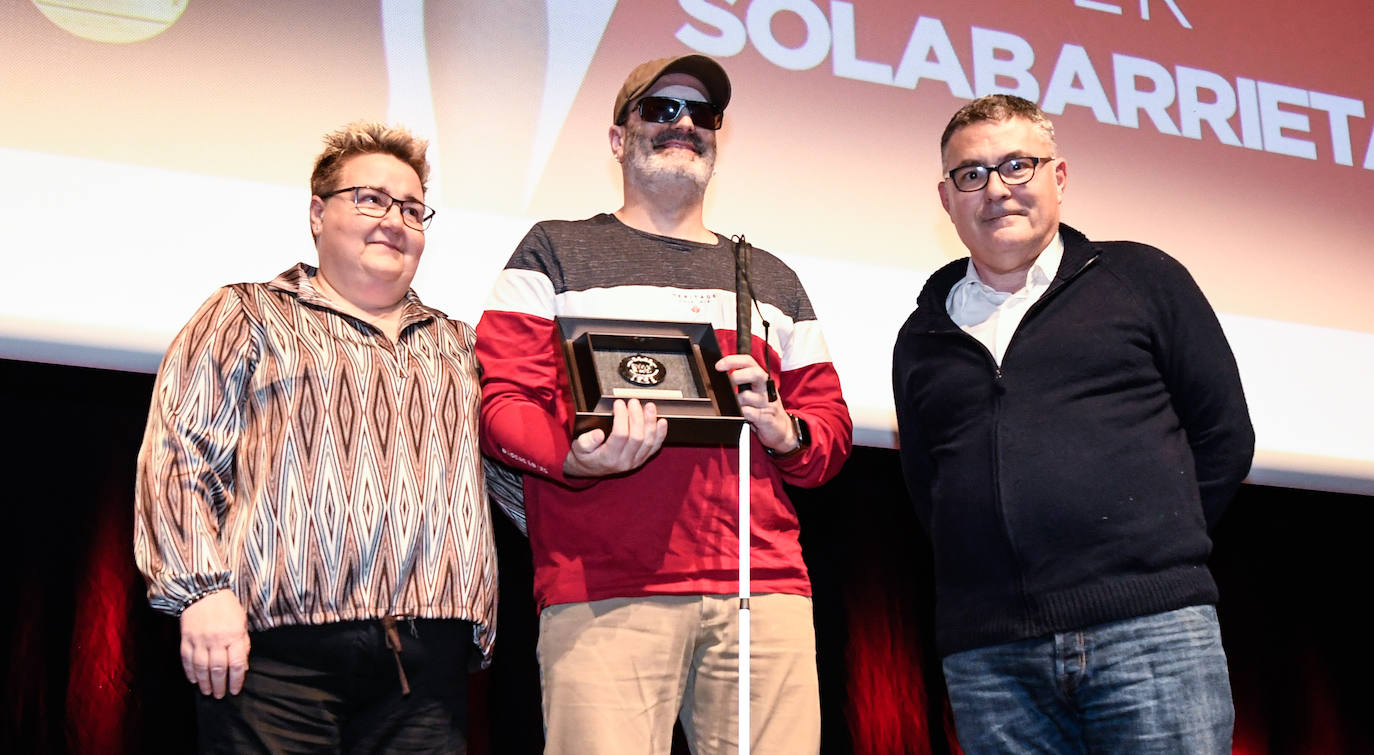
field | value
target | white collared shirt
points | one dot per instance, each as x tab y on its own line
992	316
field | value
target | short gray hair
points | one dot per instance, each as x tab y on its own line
997	107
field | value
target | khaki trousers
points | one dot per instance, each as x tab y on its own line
616	673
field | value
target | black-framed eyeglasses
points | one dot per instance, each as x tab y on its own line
669	109
1013	170
376	203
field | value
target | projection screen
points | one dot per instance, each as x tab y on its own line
152	151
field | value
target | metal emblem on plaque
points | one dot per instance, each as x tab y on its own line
642	369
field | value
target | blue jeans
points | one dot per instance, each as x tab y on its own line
1153	684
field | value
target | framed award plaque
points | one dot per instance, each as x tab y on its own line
668	363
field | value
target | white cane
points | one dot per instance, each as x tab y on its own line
744	589
744	301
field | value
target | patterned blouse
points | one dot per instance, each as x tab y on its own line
299	457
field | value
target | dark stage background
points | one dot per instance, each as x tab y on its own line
91	669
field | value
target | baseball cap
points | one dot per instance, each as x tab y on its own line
637	84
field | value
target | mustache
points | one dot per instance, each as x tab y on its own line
679	136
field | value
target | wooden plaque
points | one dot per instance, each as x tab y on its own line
668	363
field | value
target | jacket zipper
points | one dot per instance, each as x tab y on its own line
999	388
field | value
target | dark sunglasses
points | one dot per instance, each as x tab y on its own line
669	109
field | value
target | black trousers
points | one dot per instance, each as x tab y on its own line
336	688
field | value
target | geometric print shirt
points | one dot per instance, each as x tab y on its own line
297	456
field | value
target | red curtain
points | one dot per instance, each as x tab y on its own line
93	669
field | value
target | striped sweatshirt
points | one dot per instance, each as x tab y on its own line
669	527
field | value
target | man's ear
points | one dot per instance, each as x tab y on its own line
617	139
1061	178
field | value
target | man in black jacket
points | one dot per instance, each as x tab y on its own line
1072	425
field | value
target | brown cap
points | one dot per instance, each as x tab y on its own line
637	84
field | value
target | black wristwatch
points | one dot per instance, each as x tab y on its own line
803	438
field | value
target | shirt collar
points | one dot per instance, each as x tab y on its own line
1041	272
298	281
1047	264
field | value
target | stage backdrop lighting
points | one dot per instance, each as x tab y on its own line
151	151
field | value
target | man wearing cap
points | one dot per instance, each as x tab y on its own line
635	544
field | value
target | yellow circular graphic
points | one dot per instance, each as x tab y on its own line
116	21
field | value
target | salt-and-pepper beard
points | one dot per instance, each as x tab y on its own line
651	166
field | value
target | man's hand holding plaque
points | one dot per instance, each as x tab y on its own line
637	432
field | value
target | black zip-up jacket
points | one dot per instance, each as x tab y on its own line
1077	483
